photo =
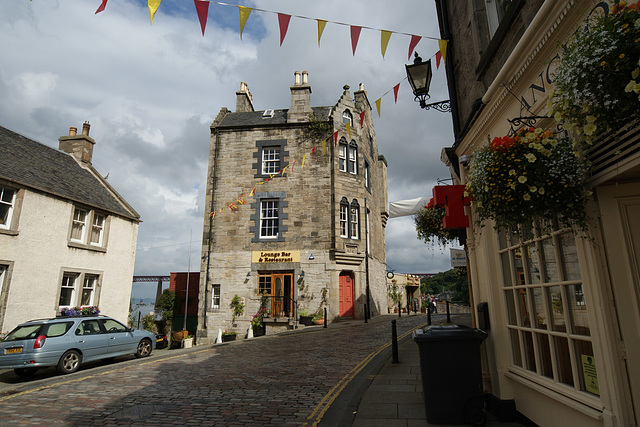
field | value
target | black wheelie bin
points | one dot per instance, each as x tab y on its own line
451	373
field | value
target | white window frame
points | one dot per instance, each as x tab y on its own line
269	219
97	227
215	297
352	160
344	220
5	202
270	160
495	13
80	217
354	221
88	228
77	282
347	117
367	177
342	156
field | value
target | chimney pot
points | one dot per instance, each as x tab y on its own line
305	77
361	87
297	78
73	131
85	128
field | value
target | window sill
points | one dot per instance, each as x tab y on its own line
86	247
579	401
9	232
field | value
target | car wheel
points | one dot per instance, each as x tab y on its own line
25	372
69	362
144	348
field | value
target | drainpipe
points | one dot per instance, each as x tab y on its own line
367	313
213	190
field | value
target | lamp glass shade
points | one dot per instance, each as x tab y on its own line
419	76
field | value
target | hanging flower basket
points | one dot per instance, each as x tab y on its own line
533	176
596	84
429	225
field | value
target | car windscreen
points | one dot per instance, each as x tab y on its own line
24	332
57	329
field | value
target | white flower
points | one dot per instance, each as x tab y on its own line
589	129
512	172
526	196
531	157
541	190
533	189
522	179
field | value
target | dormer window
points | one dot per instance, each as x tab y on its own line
268	114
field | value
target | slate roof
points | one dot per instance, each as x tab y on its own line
30	164
256	118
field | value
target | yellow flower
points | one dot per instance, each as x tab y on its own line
533	189
531	157
541	190
589	129
635	72
522	179
526	196
512	172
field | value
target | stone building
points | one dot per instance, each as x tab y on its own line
562	309
296	199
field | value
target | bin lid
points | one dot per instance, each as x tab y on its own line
448	333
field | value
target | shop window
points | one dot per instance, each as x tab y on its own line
546	307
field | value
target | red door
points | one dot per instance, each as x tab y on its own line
346	295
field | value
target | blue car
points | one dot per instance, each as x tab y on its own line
67	342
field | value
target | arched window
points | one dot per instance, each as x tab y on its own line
344	217
347	117
354	220
342	155
352	160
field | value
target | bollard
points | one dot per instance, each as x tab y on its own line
139	315
365	314
448	314
325	317
399	310
394	342
429	315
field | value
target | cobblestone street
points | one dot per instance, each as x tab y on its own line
286	379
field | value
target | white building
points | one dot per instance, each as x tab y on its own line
67	238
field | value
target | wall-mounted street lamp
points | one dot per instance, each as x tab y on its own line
419	76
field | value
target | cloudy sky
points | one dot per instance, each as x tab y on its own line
150	93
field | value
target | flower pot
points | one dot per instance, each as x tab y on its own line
306	320
227	338
259	331
187	343
320	322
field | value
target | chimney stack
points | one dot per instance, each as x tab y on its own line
80	146
244	101
300	99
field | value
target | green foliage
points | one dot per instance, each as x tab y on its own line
149	323
394	293
595	86
450	280
166	304
318	129
429	226
237	308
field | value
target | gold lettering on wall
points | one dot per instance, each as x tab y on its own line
275	256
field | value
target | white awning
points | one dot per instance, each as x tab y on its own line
407	207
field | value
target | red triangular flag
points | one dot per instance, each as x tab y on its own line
395	92
361	120
313	151
438	58
355	35
412	45
202	8
335	139
283	21
102	6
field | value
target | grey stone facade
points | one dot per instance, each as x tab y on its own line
280	230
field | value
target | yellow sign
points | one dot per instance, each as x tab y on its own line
589	374
275	256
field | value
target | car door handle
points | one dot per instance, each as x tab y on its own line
81	341
112	338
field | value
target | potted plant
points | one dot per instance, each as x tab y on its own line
305	319
318	317
596	81
80	311
533	176
229	336
187	342
394	295
257	323
237	308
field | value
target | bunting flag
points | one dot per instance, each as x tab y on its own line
202	9
313	151
244	15
438	58
335	139
304	156
361	120
293	164
253	191
378	101
321	25
355	35
283	22
384	41
349	129
324	151
102	6
153	8
412	45
395	92
443	50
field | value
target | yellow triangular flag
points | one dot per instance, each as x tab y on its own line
349	129
244	15
304	156
153	8
443	50
378	101
384	40
324	151
321	24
